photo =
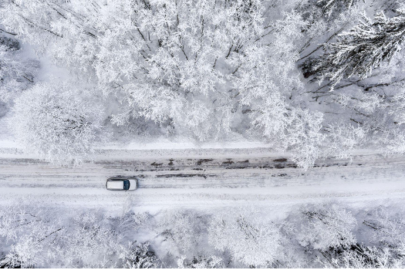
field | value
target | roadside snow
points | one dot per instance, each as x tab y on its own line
184	143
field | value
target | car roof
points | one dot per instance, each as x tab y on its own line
115	185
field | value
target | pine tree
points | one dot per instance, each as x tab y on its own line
329	6
364	48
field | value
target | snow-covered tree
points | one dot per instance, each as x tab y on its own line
201	68
322	226
249	238
139	256
363	111
59	121
364	48
201	262
34	235
330	6
360	256
16	71
11	260
185	229
218	70
27	230
387	226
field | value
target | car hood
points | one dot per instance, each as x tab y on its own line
133	184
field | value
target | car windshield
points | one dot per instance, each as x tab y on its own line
126	184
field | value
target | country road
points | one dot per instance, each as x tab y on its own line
200	179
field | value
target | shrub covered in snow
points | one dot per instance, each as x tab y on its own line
248	237
55	120
312	235
323	226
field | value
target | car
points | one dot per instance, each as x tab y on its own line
121	183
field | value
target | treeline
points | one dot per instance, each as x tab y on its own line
315	78
331	235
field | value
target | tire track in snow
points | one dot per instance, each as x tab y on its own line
202	182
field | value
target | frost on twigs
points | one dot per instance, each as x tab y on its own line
249	238
364	48
16	72
385	248
40	236
185	229
59	121
310	236
203	69
11	260
323	226
9	44
360	256
209	70
201	262
330	6
140	256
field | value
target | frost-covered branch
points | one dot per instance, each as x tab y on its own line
330	6
366	47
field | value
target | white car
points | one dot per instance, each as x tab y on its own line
121	183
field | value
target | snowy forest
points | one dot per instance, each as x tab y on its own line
328	235
314	78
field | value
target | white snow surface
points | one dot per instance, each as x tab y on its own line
210	181
184	143
189	179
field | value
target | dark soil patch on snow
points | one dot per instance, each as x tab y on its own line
280	160
156	164
201	161
228	162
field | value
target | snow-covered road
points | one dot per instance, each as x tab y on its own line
200	179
